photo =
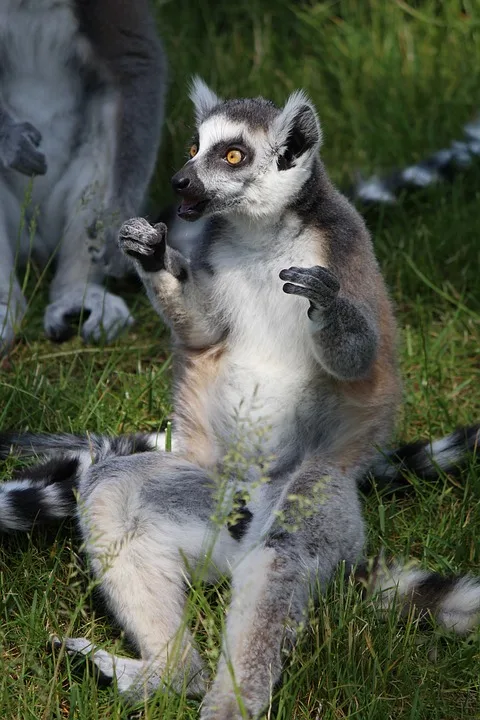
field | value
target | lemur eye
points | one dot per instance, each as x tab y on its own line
234	156
193	150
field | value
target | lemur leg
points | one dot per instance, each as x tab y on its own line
12	301
71	212
271	586
146	521
179	297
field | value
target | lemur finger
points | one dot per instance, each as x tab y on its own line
305	292
32	133
139	231
319	273
308	280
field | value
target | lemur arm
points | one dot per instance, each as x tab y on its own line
178	295
344	334
124	37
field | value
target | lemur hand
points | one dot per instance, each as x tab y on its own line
144	243
18	143
317	284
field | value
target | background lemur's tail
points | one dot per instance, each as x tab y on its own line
452	601
429	460
441	165
45	493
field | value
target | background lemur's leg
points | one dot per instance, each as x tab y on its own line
125	37
176	295
73	206
271	586
12	301
143	520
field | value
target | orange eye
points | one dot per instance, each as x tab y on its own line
193	151
234	156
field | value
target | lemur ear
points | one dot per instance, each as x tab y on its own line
203	98
297	129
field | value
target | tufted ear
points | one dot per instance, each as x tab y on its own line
203	98
297	129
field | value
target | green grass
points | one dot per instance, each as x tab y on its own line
391	80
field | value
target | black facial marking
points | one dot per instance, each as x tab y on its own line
218	151
285	161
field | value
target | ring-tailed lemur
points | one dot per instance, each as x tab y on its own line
441	165
285	350
81	106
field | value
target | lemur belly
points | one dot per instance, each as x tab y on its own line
266	366
40	83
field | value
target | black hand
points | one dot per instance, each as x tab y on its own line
18	143
317	284
144	242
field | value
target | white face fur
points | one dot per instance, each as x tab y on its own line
249	157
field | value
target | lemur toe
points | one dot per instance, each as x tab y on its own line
102	314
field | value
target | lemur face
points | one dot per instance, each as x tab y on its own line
248	156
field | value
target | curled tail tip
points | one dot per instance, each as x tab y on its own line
453	601
427	459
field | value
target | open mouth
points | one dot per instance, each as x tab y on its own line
192	209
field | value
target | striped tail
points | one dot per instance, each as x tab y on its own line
441	166
425	459
45	493
452	601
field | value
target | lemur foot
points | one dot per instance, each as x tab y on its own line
135	679
108	667
317	284
144	243
225	708
18	148
105	314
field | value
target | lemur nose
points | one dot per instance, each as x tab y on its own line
180	183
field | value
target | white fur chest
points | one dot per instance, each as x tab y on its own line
38	39
269	359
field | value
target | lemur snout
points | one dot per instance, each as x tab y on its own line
180	183
192	191
186	183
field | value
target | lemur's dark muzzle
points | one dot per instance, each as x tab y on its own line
187	184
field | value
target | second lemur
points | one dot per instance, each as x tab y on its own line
82	86
285	350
